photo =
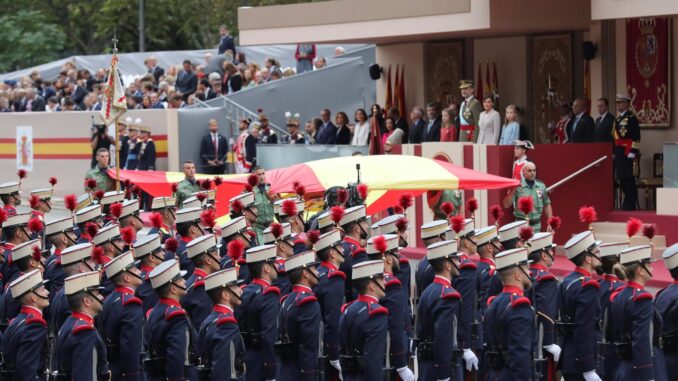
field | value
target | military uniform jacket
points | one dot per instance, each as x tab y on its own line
164	232
626	134
185	263
299	325
10	306
104	182
540	197
636	322
24	345
185	189
145	292
395	301
579	312
226	262
282	281
330	294
80	350
423	276
353	253
544	297
58	310
196	302
667	305
147	155
509	330
469	114
257	317
55	273
293	139
121	327
363	327
220	345
467	285
436	325
169	337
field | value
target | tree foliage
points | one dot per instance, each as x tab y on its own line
28	39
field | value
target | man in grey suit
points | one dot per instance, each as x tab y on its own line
581	127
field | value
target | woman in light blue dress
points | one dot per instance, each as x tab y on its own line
510	132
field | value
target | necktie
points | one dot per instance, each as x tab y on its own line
576	122
215	141
428	128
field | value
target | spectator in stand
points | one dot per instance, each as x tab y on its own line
48	89
361	131
187	81
146	102
340	51
263	75
304	55
448	131
248	80
582	128
327	134
89	102
52	104
489	123
275	75
76	92
213	150
393	135
153	68
177	102
155	101
34	102
240	58
418	125
67	104
604	122
319	63
431	132
311	129
343	132
225	40
4	105
400	122
511	130
271	66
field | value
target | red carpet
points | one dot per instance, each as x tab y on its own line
666	225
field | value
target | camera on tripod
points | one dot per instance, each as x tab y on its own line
354	198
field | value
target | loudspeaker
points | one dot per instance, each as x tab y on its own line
375	71
589	50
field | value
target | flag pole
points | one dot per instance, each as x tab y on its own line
117	134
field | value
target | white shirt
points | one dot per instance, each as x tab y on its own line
360	134
489	126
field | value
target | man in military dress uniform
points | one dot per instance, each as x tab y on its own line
188	229
27	257
188	185
61	235
626	134
121	319
430	232
236	230
148	251
221	347
169	334
298	343
284	249
166	208
667	305
530	187
363	325
80	349
509	321
9	194
397	224
24	340
205	256
294	136
91	213
469	113
147	153
41	202
15	233
355	228
580	309
100	172
267	136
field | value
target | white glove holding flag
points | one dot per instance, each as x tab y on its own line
470	359
631	155
555	350
591	376
405	374
336	365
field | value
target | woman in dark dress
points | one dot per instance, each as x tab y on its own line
343	132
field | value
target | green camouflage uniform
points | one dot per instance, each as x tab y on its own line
264	212
453	196
540	197
185	189
104	182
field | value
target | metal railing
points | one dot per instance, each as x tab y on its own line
575	174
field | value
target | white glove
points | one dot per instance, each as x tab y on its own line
631	155
336	365
405	374
555	350
470	359
591	376
447	379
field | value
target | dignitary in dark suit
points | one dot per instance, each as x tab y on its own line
418	125
34	102
400	122
225	41
213	149
153	68
327	134
186	81
581	128
604	122
431	132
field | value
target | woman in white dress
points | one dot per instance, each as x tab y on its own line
489	123
361	131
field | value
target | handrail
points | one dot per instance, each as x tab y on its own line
575	174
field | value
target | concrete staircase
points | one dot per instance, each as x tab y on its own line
609	232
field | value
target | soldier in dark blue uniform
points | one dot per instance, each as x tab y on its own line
544	297
187	230
108	238
580	309
121	319
636	324
667	305
129	217
61	235
25	339
205	256
80	350
397	224
221	347
258	314
9	194
91	213
613	278
385	247
14	231
355	227
330	293
26	257
236	230
165	207
431	232
298	344
149	251
363	325
509	321
280	235
169	333
437	318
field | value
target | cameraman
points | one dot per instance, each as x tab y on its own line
100	139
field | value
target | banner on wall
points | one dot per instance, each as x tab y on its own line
24	148
647	69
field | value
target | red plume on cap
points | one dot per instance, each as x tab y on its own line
208	218
156	220
397	209
555	222
496	212
34	201
342	195
248	188
525	233
295	184
22	174
98	255
127	183
235	250
3	216
362	191
201	196
99	195
588	215
91	229
236	207
36	254
633	226
252	180
115	210
206	184
175	186
171	244
336	214
457	223
313	236
71	202
379	243
90	184
128	235
401	224
289	207
35	225
218	180
276	230
53	181
472	204
526	205
405	201
447	208
649	231
300	190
